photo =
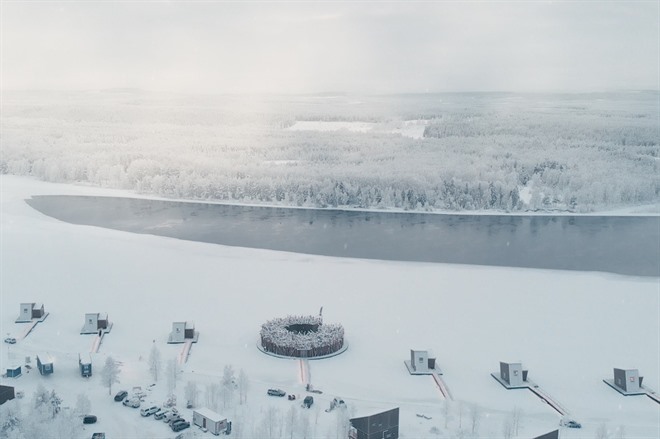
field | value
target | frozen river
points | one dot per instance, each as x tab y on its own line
625	245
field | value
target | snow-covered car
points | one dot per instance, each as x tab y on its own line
148	411
10	340
276	392
160	414
570	423
170	417
135	403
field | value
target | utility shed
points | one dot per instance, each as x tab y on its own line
14	371
45	364
384	425
6	394
209	420
85	364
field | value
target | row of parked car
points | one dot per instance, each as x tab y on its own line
168	415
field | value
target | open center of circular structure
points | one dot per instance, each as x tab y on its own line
302	328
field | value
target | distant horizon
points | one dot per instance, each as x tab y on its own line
301	48
324	93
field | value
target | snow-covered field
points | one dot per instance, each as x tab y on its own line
569	329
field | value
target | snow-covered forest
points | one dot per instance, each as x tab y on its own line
505	152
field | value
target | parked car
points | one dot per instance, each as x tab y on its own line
121	395
89	419
170	417
135	403
308	402
98	436
178	426
10	340
276	392
160	414
149	411
570	423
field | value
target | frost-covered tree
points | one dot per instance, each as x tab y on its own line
171	373
475	418
601	432
110	374
212	395
154	362
243	386
83	404
228	384
191	392
291	421
516	420
55	403
10	417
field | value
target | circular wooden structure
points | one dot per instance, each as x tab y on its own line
301	337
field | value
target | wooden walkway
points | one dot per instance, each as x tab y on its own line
305	372
96	344
442	386
185	352
545	396
30	326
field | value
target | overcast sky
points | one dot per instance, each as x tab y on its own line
305	47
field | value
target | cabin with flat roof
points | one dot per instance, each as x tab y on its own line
421	362
627	382
182	332
512	375
29	311
96	323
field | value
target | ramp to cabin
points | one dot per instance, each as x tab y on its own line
545	396
28	328
305	372
442	386
185	351
96	343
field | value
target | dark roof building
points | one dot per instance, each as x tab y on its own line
383	425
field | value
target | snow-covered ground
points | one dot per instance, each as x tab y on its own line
569	329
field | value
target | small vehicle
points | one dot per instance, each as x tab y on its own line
171	417
276	392
135	403
180	425
308	402
570	423
98	436
160	414
10	340
148	411
121	395
291	397
89	419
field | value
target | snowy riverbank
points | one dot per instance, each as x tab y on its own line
568	329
